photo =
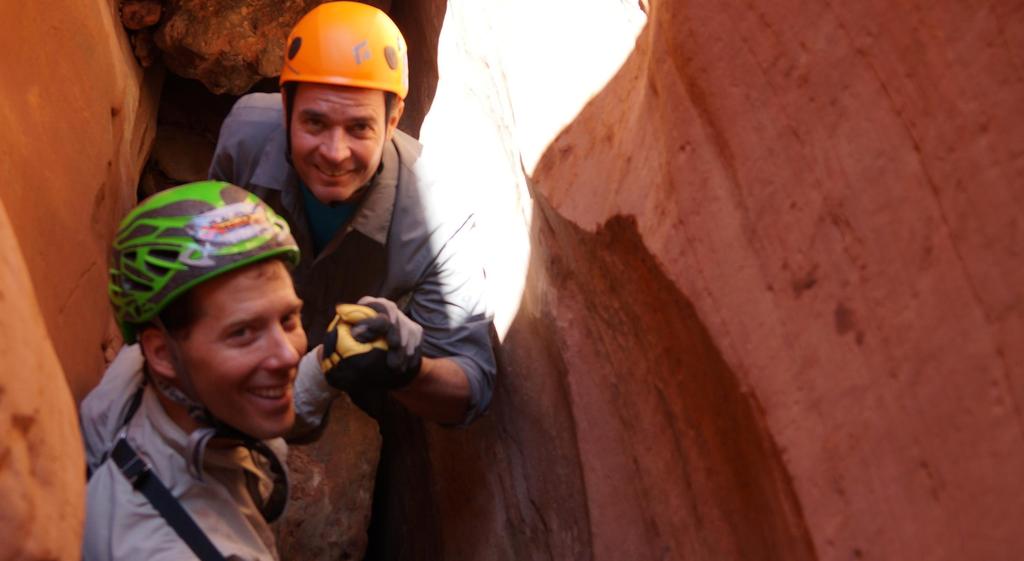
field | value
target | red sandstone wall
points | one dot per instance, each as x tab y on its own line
774	305
42	466
77	117
77	122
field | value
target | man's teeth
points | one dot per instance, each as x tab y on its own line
269	393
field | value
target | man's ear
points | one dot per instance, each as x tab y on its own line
156	347
396	115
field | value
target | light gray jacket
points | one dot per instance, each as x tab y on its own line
120	522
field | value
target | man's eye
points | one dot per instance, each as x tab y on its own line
240	333
290	321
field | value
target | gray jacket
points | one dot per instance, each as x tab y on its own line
121	524
411	241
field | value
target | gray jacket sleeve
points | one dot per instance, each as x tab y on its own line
313	396
450	304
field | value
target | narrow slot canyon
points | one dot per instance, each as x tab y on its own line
757	272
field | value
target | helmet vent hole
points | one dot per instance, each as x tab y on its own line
133	283
132	274
130	269
167	255
293	49
136	286
157	270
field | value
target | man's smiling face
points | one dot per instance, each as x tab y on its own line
242	352
337	138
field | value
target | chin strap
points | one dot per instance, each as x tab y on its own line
210	428
196	410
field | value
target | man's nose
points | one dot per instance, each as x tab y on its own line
281	350
335	147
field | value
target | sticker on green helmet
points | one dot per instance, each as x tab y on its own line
234	228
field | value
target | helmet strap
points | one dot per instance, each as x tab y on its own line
270	507
195	408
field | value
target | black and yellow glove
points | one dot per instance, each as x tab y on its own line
371	346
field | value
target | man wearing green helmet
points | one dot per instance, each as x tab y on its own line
373	223
183	433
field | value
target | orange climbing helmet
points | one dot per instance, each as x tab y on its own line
347	44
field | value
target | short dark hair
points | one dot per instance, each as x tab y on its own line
180	315
389	104
177	317
288	91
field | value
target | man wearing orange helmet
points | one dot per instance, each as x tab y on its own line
372	223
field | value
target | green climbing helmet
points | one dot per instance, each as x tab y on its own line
184	236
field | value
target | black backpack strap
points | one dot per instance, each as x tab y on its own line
273	507
142	478
134	404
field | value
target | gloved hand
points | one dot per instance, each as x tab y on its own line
371	346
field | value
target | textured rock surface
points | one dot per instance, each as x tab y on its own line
331	489
774	302
420	23
42	480
229	45
138	14
232	46
188	122
77	116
